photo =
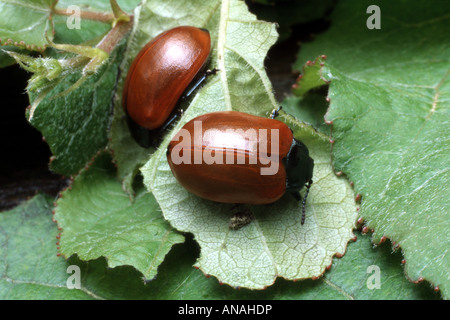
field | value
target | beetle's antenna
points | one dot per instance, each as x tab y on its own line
308	186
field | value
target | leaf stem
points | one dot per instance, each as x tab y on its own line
89	15
110	41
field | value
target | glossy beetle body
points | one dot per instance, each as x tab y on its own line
161	72
229	136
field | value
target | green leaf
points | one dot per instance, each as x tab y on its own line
127	154
275	244
177	280
75	125
389	107
311	76
5	58
365	262
336	284
90	32
30	269
309	109
99	219
308	102
26	23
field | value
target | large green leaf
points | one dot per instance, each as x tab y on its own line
99	219
336	284
275	244
389	109
30	269
26	23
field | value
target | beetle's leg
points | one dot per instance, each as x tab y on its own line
210	72
308	186
179	112
275	113
152	138
169	121
205	75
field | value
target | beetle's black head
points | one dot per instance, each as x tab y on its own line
299	167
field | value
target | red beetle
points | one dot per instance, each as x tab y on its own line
234	157
161	73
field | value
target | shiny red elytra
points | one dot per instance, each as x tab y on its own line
234	157
161	73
